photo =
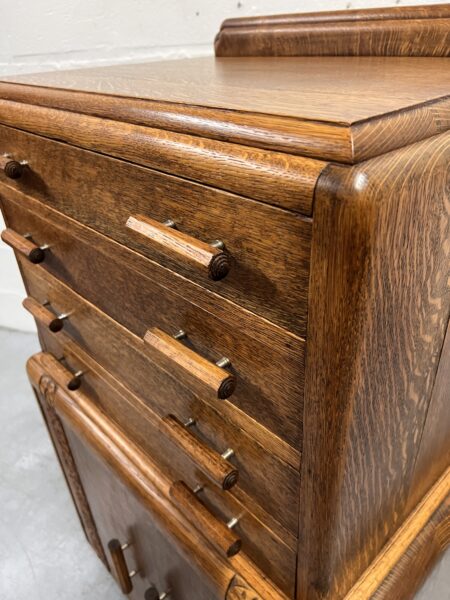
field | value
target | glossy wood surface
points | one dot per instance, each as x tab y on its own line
82	259
268	544
380	259
248	171
211	261
23	245
402	565
219	470
42	314
224	539
44	385
269	267
119	566
396	31
138	473
199	373
253	85
265	480
238	100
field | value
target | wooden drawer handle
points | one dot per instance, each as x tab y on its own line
215	466
209	258
22	244
122	575
12	168
45	316
218	533
200	371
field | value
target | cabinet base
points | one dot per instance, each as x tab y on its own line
400	569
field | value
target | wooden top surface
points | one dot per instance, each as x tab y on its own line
336	92
336	89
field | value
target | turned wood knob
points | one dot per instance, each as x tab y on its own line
217	468
209	258
42	314
12	168
224	539
21	244
203	375
122	575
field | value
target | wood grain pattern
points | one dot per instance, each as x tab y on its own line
434	453
401	566
82	259
380	259
404	13
265	479
139	473
381	32
221	537
216	468
269	267
238	100
258	174
199	373
43	314
154	551
211	261
309	138
44	388
266	543
130	464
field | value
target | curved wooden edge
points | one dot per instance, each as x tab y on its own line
432	11
275	178
144	479
399	570
409	31
43	388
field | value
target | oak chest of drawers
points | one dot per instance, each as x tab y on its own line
239	270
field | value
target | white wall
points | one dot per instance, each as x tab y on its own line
41	35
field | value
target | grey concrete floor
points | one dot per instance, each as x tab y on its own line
43	552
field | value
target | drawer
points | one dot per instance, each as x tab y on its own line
138	427
268	248
266	361
265	479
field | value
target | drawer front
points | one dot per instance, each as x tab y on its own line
118	448
269	248
267	362
264	479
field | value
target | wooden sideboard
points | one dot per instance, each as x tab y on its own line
239	271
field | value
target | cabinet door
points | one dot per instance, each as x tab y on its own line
119	516
122	499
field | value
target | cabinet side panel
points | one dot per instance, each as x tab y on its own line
379	305
434	453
